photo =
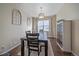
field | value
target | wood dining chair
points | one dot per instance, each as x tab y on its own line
33	42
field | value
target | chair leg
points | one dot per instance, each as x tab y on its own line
40	48
38	53
28	52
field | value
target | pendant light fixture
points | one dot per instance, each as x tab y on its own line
41	14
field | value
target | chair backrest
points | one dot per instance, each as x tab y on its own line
32	38
27	31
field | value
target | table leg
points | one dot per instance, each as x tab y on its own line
46	48
22	47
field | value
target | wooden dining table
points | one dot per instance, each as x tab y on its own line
42	39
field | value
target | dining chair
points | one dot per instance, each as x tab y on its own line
33	42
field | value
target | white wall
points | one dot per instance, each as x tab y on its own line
71	12
75	36
10	34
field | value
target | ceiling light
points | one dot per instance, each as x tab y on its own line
41	14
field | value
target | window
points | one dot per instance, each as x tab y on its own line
46	25
43	25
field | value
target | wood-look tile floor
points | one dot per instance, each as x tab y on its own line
33	53
57	51
17	51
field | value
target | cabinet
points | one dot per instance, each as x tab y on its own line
64	34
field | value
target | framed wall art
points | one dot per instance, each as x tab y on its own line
16	17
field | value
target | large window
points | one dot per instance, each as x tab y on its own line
43	25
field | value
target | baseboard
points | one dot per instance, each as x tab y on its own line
51	37
10	49
74	54
59	46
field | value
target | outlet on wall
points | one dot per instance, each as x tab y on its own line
2	47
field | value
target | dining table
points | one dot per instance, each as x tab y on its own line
42	39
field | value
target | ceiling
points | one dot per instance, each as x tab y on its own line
33	9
